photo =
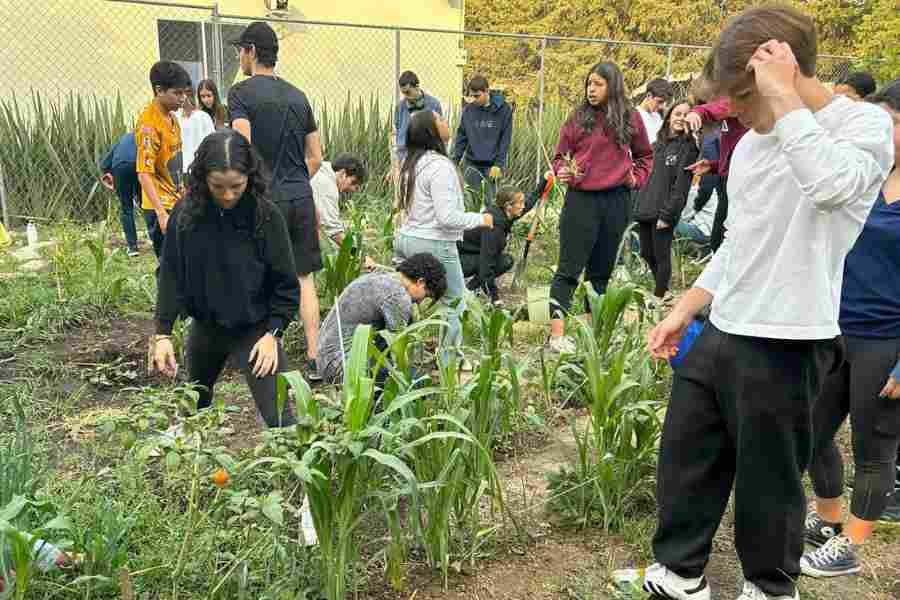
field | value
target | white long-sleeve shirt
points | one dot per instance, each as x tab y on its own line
327	199
194	130
438	211
798	199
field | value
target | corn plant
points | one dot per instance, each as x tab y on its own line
18	476
23	550
339	269
616	451
107	287
342	470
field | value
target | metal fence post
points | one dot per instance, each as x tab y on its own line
669	63
540	127
3	199
396	64
218	49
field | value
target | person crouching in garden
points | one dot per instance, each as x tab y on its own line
227	263
482	251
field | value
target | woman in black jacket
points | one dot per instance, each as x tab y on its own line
482	251
661	201
227	263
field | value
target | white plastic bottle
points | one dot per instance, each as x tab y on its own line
31	233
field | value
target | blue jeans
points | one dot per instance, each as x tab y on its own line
448	256
127	188
690	231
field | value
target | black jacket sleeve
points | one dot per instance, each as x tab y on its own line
170	293
708	184
674	202
533	198
281	274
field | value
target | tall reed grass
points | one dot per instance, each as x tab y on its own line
50	149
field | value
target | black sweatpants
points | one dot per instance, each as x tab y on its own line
717	235
591	225
854	390
471	264
656	250
208	348
740	416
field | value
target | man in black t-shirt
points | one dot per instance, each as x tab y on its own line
278	120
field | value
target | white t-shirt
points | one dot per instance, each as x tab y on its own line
652	123
194	130
798	199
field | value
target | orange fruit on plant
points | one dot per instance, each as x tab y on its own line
220	477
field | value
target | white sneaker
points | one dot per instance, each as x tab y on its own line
752	592
563	344
662	583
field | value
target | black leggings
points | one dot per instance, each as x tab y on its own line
656	250
208	348
854	390
717	236
591	226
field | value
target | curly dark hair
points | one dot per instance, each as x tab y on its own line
221	151
616	109
427	267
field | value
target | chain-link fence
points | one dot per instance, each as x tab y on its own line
78	76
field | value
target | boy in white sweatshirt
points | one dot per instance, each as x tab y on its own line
801	185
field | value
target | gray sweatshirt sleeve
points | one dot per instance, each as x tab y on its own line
447	196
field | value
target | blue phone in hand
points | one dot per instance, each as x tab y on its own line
690	336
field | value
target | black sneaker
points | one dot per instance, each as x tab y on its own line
833	559
312	371
818	531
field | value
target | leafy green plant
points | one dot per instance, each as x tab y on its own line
18	475
107	286
341	470
22	548
103	543
617	448
338	270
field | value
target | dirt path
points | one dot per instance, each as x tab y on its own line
567	564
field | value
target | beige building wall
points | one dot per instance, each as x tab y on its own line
102	48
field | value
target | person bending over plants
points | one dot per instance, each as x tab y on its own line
382	300
227	263
481	251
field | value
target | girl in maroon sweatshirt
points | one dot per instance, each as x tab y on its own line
603	154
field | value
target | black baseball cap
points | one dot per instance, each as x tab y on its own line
258	34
